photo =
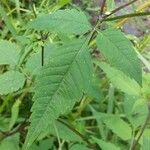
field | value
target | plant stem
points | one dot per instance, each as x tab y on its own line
78	133
57	134
111	99
19	128
135	141
144	61
43	36
7	21
119	8
102	7
128	16
101	19
33	9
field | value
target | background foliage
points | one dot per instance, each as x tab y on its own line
74	75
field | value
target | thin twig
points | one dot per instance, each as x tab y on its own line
57	134
119	8
144	61
102	7
77	132
101	19
128	16
33	8
135	141
43	36
20	127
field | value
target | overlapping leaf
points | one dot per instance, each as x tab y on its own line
9	53
59	85
146	143
121	81
116	124
10	143
65	134
11	81
105	145
120	53
68	21
33	64
79	146
119	127
14	113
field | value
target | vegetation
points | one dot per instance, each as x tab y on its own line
72	77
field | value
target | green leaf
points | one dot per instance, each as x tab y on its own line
99	120
11	81
95	90
14	113
105	145
7	20
116	124
146	143
4	124
59	85
110	5
79	147
9	53
120	53
34	63
62	21
137	116
10	143
128	103
65	134
120	80
45	144
59	4
119	127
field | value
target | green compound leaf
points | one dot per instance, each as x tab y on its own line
59	85
68	21
120	53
